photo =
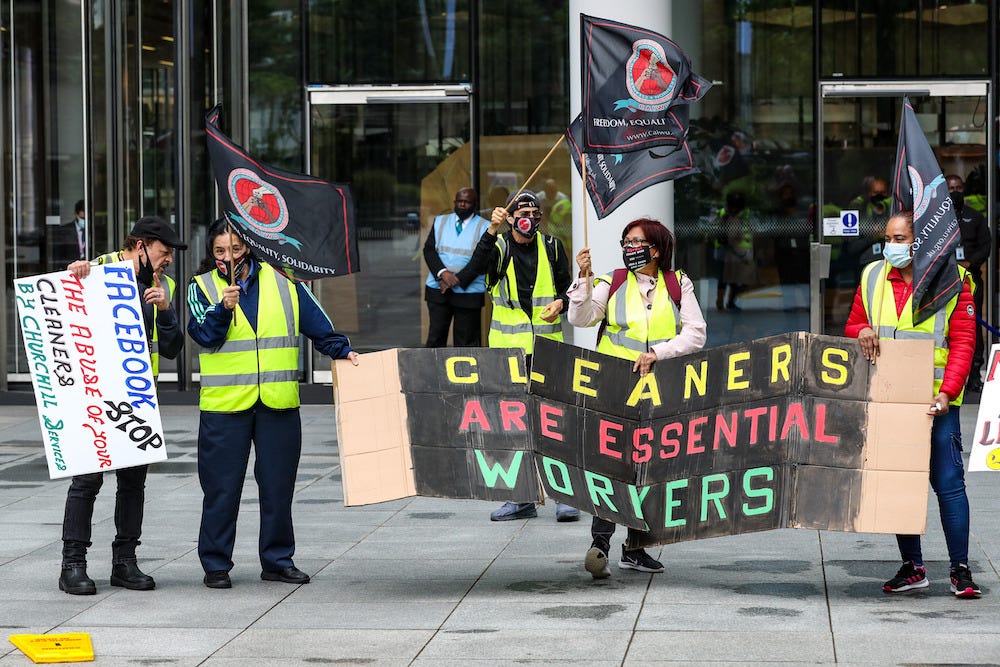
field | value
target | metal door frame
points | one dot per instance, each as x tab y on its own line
832	88
319	95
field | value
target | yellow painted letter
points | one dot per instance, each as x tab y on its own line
455	378
646	387
698	378
781	356
736	373
839	376
580	380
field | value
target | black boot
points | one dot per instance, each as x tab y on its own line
128	575
74	580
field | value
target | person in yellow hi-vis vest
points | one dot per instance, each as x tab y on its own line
883	308
527	273
646	312
150	247
249	334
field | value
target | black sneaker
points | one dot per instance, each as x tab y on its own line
639	560
962	584
596	562
908	578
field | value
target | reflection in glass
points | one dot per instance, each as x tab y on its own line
384	41
404	163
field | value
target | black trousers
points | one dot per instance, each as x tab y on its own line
601	531
78	519
224	441
468	327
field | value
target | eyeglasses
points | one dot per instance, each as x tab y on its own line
537	215
635	243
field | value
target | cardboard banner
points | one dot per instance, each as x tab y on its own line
795	430
88	355
985	453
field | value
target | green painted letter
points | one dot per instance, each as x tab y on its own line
492	472
714	496
599	485
766	493
567	486
668	520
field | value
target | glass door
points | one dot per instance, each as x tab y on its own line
858	126
404	150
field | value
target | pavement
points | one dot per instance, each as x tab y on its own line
427	581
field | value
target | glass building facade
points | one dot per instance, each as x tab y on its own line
104	100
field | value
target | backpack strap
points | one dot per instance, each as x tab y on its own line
673	287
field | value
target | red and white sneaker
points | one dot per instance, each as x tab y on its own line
962	584
909	577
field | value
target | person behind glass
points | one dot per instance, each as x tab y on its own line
971	254
69	240
646	312
883	309
875	201
150	247
452	291
528	273
249	335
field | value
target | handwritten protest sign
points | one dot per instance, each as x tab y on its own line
795	430
985	453
87	350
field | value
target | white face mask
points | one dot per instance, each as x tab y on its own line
897	254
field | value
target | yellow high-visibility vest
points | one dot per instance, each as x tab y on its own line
251	364
877	292
511	326
629	331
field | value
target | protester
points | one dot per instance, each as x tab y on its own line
528	274
249	334
972	254
883	309
150	247
452	292
647	312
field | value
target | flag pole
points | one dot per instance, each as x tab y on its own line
552	150
583	174
232	263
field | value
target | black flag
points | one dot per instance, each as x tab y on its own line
301	225
614	177
632	79
919	186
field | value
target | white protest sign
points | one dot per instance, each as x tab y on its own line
88	354
985	453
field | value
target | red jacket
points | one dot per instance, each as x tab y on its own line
961	330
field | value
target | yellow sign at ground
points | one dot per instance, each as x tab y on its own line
67	647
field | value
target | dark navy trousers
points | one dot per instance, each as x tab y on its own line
223	452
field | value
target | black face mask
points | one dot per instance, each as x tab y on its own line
224	266
958	199
877	198
527	226
144	276
463	212
636	258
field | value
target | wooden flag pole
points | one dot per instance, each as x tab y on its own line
232	264
552	150
583	174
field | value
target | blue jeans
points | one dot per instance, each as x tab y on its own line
948	482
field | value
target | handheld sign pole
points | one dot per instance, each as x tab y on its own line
544	160
583	176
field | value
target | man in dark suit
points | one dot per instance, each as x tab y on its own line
68	241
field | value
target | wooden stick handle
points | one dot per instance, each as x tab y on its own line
562	137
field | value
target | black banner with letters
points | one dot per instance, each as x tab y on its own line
919	186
